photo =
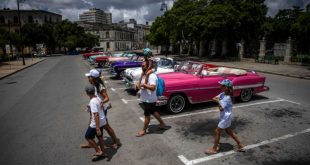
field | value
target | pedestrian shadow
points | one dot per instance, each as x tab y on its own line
224	147
154	129
111	151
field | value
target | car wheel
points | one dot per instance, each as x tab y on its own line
102	64
246	95
176	103
122	74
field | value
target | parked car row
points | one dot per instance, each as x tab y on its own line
187	82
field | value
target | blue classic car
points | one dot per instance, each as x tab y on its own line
118	68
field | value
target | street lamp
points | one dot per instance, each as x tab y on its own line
20	27
163	7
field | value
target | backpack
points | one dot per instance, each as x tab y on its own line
160	86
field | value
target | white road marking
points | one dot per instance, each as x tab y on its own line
216	110
207	158
114	89
183	159
290	101
106	82
125	101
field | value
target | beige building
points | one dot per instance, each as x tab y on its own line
9	18
141	31
96	16
111	37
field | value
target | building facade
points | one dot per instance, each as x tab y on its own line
141	31
96	16
9	18
111	37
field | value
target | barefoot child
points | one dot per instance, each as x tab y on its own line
224	101
97	122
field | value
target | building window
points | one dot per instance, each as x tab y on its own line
50	19
45	19
107	34
30	19
2	20
108	45
15	19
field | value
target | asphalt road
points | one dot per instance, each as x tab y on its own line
42	121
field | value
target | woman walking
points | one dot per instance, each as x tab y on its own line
101	93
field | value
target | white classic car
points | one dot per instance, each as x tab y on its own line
132	75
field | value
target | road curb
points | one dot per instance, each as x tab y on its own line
21	69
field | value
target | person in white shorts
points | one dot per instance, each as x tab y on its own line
96	123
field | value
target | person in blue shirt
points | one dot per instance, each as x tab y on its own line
225	105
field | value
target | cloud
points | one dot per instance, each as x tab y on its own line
141	10
88	2
275	5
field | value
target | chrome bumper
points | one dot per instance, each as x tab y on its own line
130	84
162	100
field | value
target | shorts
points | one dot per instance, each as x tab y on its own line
91	133
149	108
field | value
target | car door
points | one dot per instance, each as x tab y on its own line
209	87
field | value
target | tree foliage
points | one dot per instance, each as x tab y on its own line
206	20
62	34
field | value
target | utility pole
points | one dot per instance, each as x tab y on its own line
20	27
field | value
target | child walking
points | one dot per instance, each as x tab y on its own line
101	92
97	122
224	101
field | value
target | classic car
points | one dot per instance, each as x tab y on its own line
199	83
87	55
118	68
122	57
92	59
132	75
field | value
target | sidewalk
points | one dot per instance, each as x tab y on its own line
295	71
9	68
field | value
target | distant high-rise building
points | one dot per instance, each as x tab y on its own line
109	18
96	16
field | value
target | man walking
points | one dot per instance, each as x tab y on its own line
148	97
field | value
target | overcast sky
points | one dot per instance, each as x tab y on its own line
141	10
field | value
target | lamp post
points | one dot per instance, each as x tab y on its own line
20	27
163	7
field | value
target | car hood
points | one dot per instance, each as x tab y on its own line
136	72
125	62
118	59
95	56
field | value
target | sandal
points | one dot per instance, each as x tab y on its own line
241	149
140	134
210	151
117	144
85	145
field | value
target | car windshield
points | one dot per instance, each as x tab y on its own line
163	62
189	67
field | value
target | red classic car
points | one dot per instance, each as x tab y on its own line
87	55
199	83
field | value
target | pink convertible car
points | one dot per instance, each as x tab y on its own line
199	83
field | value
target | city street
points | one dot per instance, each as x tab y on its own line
43	121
